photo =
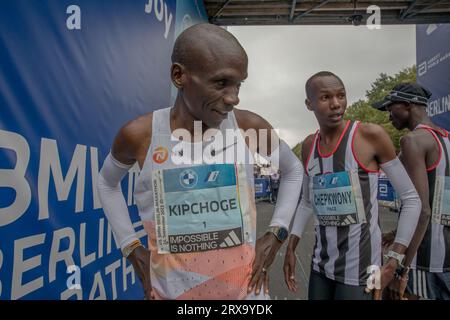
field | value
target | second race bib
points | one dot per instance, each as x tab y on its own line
441	201
337	199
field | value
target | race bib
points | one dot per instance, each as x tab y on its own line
337	199
441	201
197	208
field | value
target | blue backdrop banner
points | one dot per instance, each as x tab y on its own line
433	69
71	74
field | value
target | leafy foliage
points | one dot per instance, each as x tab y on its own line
363	111
298	150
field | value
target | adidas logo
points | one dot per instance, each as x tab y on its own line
431	29
349	220
231	240
213	175
334	180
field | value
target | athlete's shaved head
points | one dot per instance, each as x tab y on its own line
202	41
309	82
208	67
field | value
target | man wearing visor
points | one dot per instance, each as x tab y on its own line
425	154
195	190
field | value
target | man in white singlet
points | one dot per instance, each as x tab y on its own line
195	190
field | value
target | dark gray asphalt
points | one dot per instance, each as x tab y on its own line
278	288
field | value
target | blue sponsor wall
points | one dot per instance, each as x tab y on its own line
71	74
433	69
385	190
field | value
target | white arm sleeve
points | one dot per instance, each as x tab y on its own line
113	201
411	205
290	185
304	210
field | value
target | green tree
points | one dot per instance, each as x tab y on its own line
298	150
363	111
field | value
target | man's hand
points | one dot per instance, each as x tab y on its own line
140	259
266	249
289	268
387	274
396	289
387	239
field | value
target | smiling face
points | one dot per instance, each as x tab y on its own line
398	115
208	68
212	90
327	99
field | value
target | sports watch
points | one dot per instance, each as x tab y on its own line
280	233
402	272
397	256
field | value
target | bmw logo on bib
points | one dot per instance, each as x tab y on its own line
321	181
188	178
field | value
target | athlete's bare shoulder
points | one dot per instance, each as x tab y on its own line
421	136
133	139
374	134
419	141
375	142
249	120
371	130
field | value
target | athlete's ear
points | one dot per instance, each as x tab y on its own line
308	104
178	75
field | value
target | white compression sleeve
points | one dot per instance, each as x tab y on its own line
304	210
290	185
113	201
411	205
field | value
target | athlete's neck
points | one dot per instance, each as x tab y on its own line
181	118
420	117
331	135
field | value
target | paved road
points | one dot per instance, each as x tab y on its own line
278	289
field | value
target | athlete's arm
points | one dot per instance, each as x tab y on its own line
279	154
414	147
113	202
302	215
128	146
411	206
290	185
413	157
395	171
304	211
125	151
288	194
